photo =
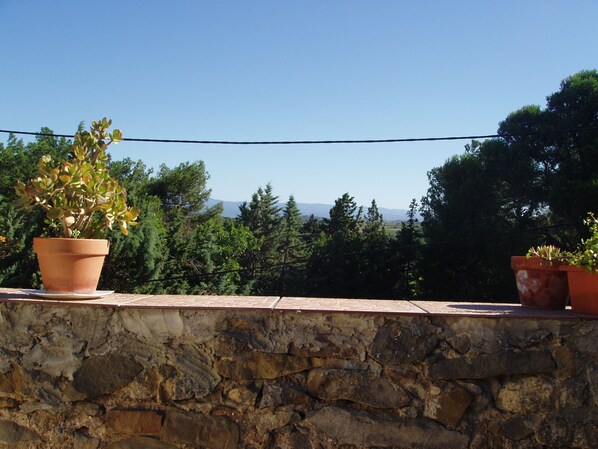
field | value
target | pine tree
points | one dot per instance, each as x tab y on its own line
374	258
292	249
405	263
334	267
262	217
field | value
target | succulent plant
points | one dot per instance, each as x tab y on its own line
79	196
546	252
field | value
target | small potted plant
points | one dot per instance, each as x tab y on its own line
582	271
82	202
540	282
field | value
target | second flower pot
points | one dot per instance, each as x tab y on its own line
540	283
583	288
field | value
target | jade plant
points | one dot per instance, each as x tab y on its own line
586	255
80	198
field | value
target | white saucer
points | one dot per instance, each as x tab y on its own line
63	295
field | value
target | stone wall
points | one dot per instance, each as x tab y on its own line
128	377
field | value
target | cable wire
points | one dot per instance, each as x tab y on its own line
314	142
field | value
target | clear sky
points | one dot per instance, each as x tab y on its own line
290	70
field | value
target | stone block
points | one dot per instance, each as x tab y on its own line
242	395
191	374
491	365
134	422
448	407
282	393
524	395
105	374
83	441
291	440
54	355
199	430
459	342
269	420
398	342
13	383
555	431
362	429
260	365
356	386
11	432
516	428
141	443
152	324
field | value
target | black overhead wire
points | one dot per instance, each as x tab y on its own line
312	142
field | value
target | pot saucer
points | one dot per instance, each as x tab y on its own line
68	296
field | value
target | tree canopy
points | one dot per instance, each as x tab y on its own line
534	184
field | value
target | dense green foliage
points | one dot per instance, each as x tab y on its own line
531	186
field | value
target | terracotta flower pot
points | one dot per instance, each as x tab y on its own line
540	284
70	265
583	288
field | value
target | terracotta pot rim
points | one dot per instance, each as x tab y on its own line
576	268
70	239
535	263
61	245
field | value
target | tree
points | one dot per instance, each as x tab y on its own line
184	188
345	217
292	250
334	268
18	162
502	196
134	262
575	108
468	237
262	217
376	276
406	260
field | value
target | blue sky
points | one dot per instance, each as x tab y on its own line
290	70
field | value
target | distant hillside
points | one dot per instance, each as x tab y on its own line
231	210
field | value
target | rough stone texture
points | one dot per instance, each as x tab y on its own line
498	364
517	428
192	374
283	393
141	443
358	428
93	377
524	395
83	441
355	386
449	407
11	432
242	395
260	365
267	420
134	422
199	430
403	341
105	374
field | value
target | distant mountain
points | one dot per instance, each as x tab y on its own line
231	210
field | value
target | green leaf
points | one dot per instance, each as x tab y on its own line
53	214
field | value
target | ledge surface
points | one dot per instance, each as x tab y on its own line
301	304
